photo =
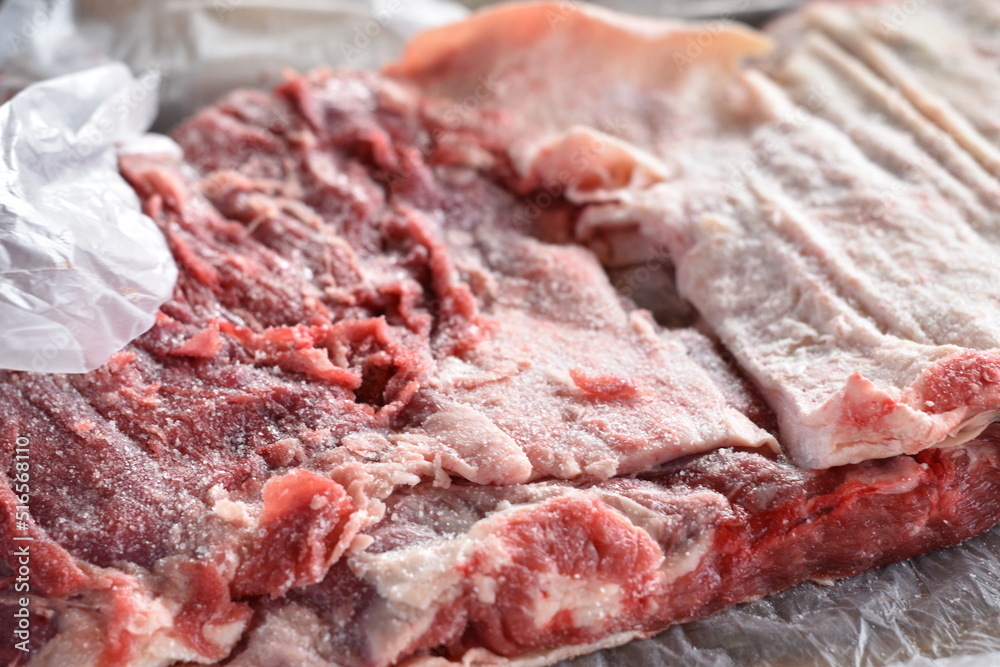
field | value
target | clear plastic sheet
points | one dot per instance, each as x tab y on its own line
204	48
941	610
82	271
39	40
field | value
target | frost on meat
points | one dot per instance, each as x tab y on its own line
331	339
830	211
396	410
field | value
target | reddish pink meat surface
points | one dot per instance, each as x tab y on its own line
354	316
478	572
396	410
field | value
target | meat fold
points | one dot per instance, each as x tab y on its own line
352	317
536	573
396	412
850	271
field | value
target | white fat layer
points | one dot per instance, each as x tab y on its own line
81	639
590	601
970	428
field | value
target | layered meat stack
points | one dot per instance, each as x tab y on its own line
397	409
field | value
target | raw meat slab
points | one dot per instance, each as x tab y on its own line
394	413
477	575
350	319
850	268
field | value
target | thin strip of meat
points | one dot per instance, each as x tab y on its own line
533	574
858	294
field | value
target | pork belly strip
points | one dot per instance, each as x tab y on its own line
537	573
942	58
350	318
850	272
531	573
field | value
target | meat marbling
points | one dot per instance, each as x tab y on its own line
848	264
349	320
395	412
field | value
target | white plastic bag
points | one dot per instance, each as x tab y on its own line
82	270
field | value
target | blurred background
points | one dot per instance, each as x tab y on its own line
202	48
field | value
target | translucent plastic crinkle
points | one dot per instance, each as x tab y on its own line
939	610
82	270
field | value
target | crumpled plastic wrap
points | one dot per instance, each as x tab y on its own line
752	11
941	610
82	270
